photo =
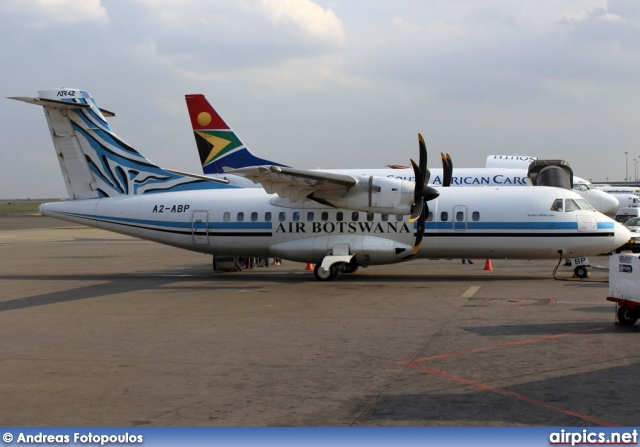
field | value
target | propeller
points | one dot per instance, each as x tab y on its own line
447	169
422	194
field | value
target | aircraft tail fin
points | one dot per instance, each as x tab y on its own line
94	161
219	147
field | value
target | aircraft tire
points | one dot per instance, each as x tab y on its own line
627	316
325	275
349	268
581	272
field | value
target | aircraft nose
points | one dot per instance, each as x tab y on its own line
622	234
609	204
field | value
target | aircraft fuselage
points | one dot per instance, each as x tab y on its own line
464	222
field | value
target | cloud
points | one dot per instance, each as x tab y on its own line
309	79
43	13
282	26
305	15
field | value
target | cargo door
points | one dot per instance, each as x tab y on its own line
200	227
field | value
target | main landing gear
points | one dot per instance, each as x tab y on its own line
329	273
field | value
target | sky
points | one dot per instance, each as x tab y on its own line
331	84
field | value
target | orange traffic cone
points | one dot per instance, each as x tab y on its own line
309	266
487	265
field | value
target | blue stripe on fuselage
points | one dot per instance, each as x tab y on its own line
169	224
513	225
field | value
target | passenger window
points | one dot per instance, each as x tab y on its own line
339	216
430	216
444	216
310	216
355	216
475	216
267	216
570	205
226	217
557	205
399	218
384	217
324	216
240	216
459	216
282	216
254	217
296	216
369	217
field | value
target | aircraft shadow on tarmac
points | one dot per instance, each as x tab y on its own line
587	327
599	397
202	278
110	284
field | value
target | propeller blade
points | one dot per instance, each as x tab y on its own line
422	194
420	228
445	171
426	174
418	203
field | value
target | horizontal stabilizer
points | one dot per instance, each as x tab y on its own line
199	177
51	103
59	104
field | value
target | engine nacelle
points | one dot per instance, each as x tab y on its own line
368	250
372	194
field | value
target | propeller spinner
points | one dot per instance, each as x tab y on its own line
423	193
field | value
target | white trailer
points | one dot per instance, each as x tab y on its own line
624	286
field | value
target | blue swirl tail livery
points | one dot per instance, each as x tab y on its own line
96	162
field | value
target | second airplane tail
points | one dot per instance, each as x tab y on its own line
219	147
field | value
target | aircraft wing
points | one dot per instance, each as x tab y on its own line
296	184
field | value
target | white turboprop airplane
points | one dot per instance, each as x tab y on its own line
221	151
628	196
338	222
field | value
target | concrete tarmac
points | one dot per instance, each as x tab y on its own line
102	329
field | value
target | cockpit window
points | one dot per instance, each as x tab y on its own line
570	205
557	205
584	205
580	187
